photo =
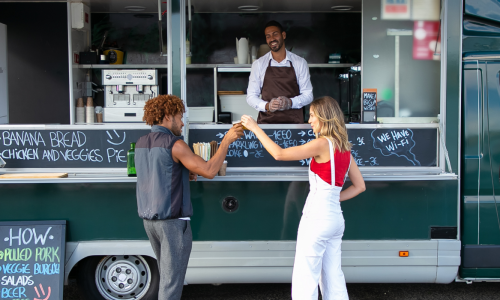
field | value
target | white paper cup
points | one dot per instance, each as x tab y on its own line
222	171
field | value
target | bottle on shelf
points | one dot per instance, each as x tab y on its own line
131	161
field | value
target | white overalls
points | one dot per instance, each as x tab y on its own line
318	253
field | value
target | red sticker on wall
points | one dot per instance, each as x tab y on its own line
395	8
86	17
426	40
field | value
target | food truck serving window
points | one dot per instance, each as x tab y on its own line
391	74
401	59
393	52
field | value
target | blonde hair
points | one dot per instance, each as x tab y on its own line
328	112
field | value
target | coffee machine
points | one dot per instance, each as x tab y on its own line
126	92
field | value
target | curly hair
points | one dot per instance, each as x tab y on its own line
156	108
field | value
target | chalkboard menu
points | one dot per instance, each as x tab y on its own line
32	259
67	148
369	100
371	147
108	148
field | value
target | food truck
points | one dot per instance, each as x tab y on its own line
417	81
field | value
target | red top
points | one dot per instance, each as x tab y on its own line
324	170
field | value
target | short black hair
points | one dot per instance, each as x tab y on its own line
274	23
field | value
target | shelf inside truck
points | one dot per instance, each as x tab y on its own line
124	66
236	67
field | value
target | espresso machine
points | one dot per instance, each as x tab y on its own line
126	92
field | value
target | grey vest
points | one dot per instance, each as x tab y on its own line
162	184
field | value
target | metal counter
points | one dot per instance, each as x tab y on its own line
248	174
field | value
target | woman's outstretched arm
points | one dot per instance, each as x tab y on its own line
308	150
358	183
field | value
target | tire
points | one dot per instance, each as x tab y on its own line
118	277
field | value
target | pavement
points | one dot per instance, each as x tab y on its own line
365	291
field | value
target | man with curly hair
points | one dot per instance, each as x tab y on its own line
165	164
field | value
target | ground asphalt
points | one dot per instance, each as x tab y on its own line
455	291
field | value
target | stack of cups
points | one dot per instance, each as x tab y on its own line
98	114
90	110
80	111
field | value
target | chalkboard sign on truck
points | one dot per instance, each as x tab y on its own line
369	106
104	148
32	259
383	147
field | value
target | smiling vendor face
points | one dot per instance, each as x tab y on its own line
275	38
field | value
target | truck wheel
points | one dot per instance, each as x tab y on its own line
118	277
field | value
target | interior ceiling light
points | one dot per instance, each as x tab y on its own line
135	8
342	7
248	7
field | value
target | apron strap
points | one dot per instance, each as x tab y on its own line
291	65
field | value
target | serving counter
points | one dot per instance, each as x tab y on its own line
251	174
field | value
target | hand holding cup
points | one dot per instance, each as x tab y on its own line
234	133
249	123
239	123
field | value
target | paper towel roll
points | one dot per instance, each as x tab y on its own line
243	51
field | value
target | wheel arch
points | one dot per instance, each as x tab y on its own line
77	251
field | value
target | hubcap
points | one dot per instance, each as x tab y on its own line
121	277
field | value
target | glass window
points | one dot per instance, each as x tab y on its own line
400	60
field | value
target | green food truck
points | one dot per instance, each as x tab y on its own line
418	82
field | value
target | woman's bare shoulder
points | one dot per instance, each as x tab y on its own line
320	142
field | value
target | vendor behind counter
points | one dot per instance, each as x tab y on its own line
283	80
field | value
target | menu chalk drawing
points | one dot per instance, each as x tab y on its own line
108	148
370	147
369	100
67	148
32	260
397	142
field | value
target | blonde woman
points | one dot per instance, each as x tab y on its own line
318	253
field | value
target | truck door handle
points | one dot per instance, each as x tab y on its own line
474	156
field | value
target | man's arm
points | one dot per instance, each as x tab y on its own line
208	169
305	86
254	89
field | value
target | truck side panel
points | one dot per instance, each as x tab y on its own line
386	211
481	148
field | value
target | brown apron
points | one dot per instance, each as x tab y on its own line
280	81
